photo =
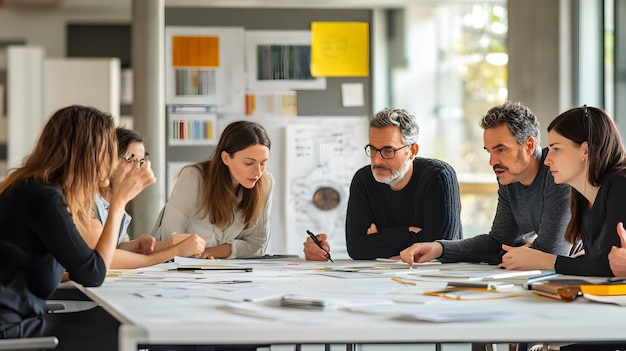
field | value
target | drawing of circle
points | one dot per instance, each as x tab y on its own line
326	198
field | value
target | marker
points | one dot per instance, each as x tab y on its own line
317	242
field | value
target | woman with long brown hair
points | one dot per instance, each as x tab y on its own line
227	199
586	152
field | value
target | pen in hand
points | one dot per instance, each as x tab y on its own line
317	242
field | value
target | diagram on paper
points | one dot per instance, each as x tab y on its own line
322	156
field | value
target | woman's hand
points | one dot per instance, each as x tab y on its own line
129	180
525	258
144	244
617	255
193	245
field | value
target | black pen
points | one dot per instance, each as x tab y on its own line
319	244
210	268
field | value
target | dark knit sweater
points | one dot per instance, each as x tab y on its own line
430	201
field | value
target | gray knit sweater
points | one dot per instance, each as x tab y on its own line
542	207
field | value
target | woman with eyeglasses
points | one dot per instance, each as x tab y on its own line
44	205
144	250
586	152
226	200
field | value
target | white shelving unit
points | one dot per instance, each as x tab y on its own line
36	87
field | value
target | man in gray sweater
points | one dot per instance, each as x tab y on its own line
532	209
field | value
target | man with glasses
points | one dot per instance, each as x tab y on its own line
532	209
399	199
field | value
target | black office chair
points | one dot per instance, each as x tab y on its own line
69	306
34	343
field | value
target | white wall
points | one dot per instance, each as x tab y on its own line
47	28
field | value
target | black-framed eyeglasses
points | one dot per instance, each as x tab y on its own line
132	158
386	152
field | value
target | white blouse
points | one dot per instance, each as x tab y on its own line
181	215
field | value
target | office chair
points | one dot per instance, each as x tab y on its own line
34	343
69	306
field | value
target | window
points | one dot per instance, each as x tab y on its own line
452	69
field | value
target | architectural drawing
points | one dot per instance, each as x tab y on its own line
322	156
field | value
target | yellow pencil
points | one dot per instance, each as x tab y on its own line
402	281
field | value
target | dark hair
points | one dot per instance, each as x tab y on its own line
218	196
606	153
75	152
126	137
399	118
521	121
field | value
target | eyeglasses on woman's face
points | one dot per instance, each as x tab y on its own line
132	158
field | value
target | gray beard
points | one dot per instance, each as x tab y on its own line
397	176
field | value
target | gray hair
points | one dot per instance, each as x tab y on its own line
400	118
521	121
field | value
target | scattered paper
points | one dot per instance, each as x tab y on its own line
619	300
457	315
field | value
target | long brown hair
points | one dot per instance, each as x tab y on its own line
606	153
218	197
75	152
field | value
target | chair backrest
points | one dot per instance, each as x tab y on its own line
156	230
43	342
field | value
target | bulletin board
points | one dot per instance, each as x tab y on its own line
205	66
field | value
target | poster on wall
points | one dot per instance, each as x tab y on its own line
280	60
340	49
205	66
322	155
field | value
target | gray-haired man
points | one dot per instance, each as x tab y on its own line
399	199
529	202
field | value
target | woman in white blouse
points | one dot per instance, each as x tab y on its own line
227	199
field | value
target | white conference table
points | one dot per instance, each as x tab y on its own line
158	307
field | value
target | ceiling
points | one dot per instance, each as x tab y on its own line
111	4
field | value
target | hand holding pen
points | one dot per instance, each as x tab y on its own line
317	249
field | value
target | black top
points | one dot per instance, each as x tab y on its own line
430	201
598	229
37	240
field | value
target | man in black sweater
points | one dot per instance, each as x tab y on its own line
399	199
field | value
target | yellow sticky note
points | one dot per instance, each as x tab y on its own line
339	49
